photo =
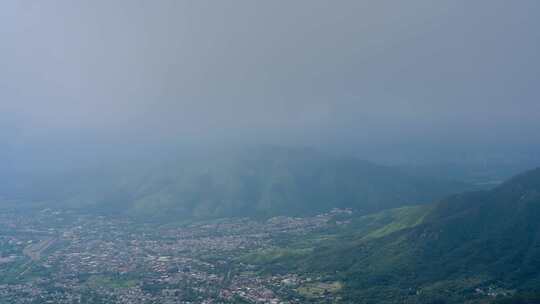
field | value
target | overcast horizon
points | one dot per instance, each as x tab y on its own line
358	76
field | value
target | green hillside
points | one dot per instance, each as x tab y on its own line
471	247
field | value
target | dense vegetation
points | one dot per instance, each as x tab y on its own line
474	246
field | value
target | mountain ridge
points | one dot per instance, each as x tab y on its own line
259	182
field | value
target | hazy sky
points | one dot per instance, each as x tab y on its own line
316	72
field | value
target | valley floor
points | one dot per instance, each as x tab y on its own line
62	257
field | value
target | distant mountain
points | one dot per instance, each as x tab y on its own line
259	182
470	247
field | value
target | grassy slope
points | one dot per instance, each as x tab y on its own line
417	255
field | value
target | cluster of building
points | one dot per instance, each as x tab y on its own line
63	257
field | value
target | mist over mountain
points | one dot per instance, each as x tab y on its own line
258	181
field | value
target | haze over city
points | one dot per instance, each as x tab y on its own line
239	151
